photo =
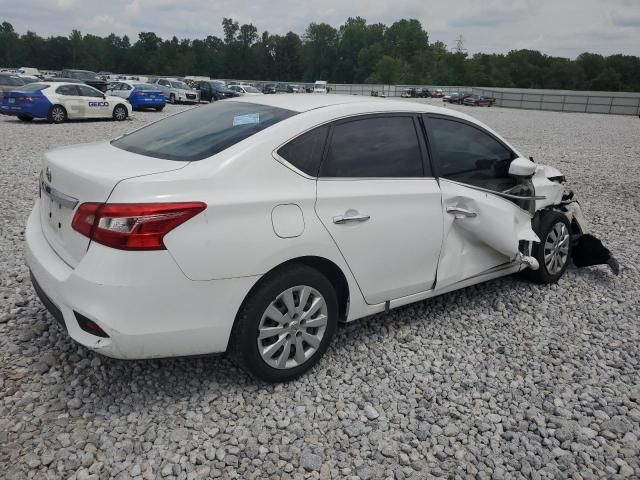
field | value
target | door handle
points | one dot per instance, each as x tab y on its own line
459	212
351	216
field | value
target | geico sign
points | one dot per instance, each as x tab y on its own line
98	104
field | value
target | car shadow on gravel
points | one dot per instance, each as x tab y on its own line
143	383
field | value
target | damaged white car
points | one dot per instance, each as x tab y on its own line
255	225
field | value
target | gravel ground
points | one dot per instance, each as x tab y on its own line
501	380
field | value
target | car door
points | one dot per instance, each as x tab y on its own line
487	212
69	97
379	201
96	106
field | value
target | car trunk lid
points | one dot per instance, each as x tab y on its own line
85	173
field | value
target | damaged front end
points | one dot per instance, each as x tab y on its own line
586	249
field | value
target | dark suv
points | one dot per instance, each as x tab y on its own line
85	76
211	90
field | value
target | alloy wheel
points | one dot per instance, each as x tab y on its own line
120	113
292	327
57	114
556	248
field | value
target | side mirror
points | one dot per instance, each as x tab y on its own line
521	167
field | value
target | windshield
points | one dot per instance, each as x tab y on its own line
83	75
9	80
180	85
251	90
202	132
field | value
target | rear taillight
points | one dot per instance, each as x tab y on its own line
140	94
25	98
132	226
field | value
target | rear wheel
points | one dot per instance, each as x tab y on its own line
159	109
286	324
57	114
554	251
25	118
120	113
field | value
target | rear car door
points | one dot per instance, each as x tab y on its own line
379	201
69	97
487	212
95	104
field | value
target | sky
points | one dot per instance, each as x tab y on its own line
555	27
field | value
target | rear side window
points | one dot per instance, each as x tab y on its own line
67	90
305	151
202	132
374	147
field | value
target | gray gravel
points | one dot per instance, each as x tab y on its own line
502	380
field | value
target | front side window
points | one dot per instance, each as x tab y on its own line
468	155
374	147
202	132
305	152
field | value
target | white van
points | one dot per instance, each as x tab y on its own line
29	71
320	86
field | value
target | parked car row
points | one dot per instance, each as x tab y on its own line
469	99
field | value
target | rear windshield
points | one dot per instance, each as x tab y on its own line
202	132
80	75
145	86
33	87
9	80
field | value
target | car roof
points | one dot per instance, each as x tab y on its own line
304	103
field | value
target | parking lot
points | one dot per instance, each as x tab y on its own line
506	379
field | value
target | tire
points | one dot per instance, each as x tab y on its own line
554	231
120	113
265	309
172	99
159	109
57	114
25	118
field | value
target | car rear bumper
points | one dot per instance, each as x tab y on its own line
16	110
148	102
142	300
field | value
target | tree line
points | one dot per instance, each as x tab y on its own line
355	52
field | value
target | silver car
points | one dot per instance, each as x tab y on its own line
176	91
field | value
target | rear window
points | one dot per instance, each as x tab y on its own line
33	87
144	86
81	75
202	132
9	80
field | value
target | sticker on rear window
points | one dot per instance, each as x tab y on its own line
246	119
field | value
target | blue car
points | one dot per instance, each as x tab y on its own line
140	95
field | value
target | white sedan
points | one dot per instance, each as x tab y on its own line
255	225
247	90
62	101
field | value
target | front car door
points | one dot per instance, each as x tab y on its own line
379	201
487	212
96	106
